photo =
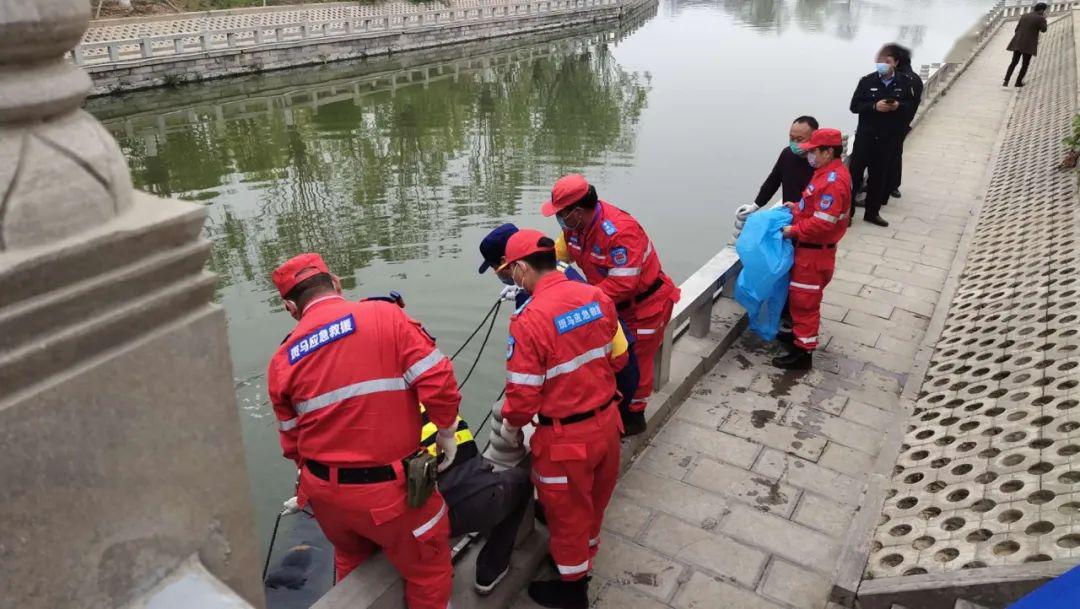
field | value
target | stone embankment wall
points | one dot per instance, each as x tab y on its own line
156	66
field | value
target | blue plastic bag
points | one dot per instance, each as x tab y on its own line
767	257
1060	593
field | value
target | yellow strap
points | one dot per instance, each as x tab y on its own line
619	344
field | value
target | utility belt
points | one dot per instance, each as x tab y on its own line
420	473
815	246
579	417
642	297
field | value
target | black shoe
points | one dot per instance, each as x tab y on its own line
558	594
796	359
633	423
484	586
895	194
878	220
788	338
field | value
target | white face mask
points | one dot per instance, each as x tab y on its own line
514	278
812	159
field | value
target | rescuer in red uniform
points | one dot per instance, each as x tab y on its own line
565	346
345	386
820	220
616	255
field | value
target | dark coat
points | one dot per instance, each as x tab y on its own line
869	91
1026	38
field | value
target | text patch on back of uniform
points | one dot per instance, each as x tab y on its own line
619	256
320	337
578	317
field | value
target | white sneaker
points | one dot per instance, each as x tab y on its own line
485	589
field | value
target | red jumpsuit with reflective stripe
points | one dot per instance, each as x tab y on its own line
559	364
617	256
821	218
346	387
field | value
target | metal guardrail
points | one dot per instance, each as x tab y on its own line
178	44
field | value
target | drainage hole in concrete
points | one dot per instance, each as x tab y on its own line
954	523
979	535
1071	508
945	440
936	486
889	494
992	431
1016	416
1012	486
1012	460
913	478
1010	516
1040	468
958	495
1043	421
966	446
995	411
1067	404
1068	451
1041	443
1069	426
919	455
1006	548
940	463
1041	497
1069	541
915	571
884	518
962	469
989	453
983	506
1038	558
986	477
1069	477
1041	527
892	560
969	425
946	554
907	503
923	542
975	564
933	512
900	530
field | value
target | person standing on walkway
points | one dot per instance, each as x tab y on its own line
1025	42
883	102
561	358
915	84
820	221
346	387
616	255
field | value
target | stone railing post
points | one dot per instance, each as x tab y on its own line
124	477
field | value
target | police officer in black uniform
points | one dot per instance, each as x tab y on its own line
883	100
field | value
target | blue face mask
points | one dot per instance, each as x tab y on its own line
882	69
795	148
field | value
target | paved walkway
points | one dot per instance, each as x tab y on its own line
745	497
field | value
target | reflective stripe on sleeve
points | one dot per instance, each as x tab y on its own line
808	339
595	541
573	569
423	365
805	286
579	361
645	331
820	215
350	391
427	526
290	424
648	250
624	272
517	378
550	479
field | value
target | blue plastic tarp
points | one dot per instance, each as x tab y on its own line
1062	592
767	257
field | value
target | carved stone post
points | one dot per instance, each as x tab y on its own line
123	470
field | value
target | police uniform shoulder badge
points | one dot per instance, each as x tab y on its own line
608	227
619	256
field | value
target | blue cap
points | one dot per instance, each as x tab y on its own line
493	246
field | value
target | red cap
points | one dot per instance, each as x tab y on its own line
567	191
297	269
823	137
523	243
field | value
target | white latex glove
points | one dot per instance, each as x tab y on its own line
290	507
741	215
509	292
446	442
513	436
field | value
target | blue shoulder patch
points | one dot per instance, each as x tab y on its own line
510	347
609	228
320	337
832	176
619	256
826	202
578	317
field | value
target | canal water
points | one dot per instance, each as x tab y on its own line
394	168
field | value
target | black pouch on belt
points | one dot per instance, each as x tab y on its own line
420	470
